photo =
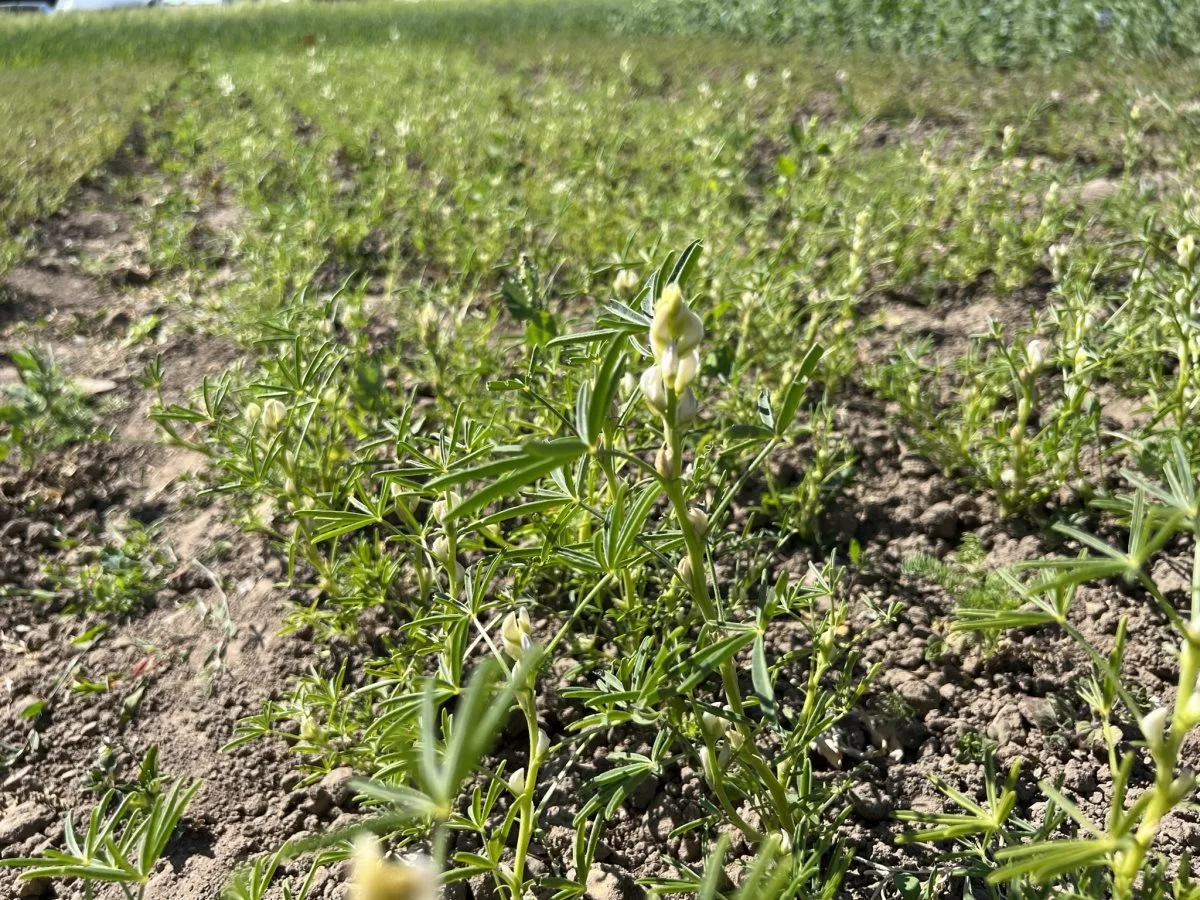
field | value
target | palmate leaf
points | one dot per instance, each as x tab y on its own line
512	472
121	846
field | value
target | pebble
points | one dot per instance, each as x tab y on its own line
609	882
1038	712
335	788
920	695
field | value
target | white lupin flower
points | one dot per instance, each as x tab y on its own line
653	390
1153	725
1035	352
516	633
699	520
543	744
441	549
516	781
714	725
273	413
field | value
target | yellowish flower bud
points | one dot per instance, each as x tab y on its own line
674	323
698	519
685	372
252	413
684	570
543	744
626	282
1185	251
664	462
311	731
736	738
375	877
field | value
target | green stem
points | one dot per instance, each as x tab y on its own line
1166	761
525	801
699	590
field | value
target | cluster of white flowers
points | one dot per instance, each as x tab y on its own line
675	336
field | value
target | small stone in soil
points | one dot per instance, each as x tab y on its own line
336	787
608	882
869	802
1038	712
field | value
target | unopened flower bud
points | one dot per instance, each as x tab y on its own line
441	549
375	877
714	726
684	570
273	413
311	731
685	371
698	519
543	744
443	506
686	407
1191	709
706	764
252	413
1192	631
674	323
664	462
1153	724
516	781
653	390
736	738
1182	787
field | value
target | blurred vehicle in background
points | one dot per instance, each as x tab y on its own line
76	5
27	6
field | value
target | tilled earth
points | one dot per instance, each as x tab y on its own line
208	649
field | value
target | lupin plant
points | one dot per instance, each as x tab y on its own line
1115	857
661	681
